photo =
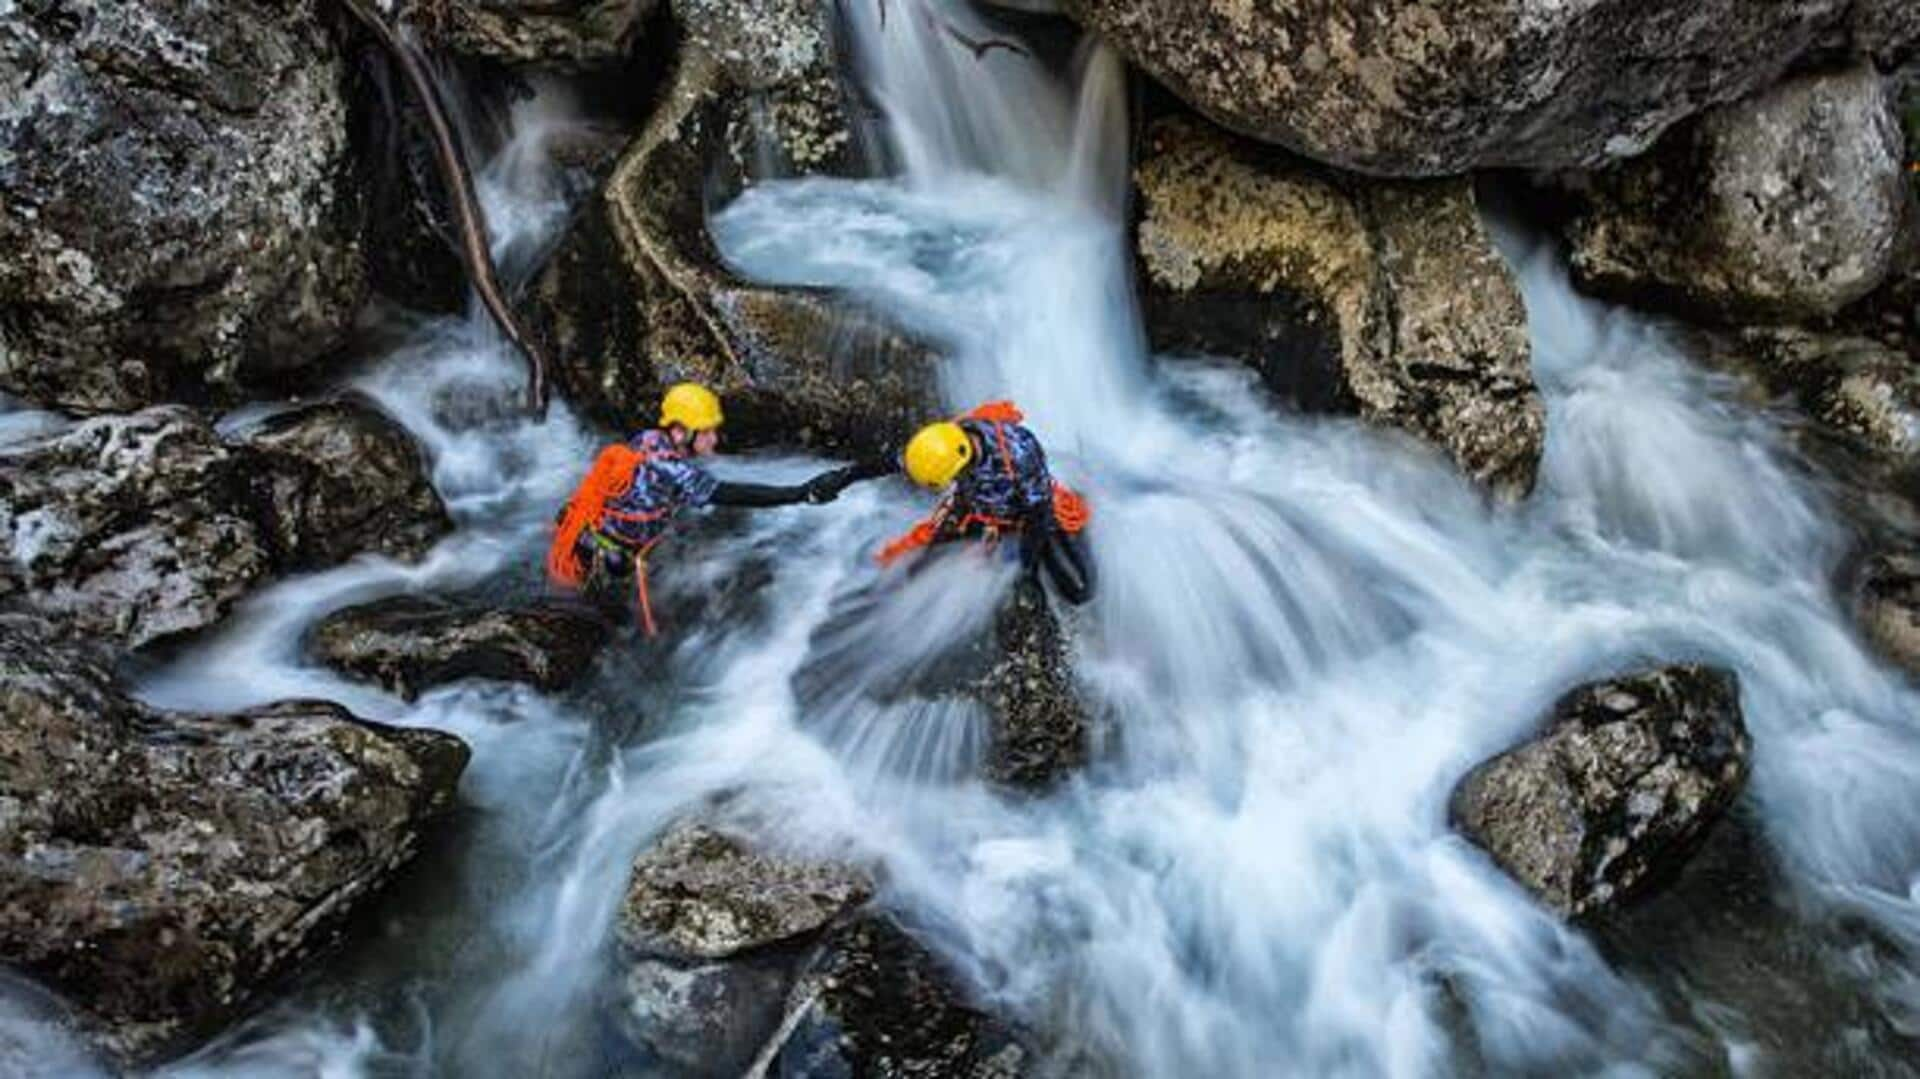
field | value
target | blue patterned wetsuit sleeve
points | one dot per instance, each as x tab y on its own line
696	484
1036	482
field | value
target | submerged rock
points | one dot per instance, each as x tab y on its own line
410	644
1617	792
174	204
563	35
1385	299
637	296
129	529
1792	204
1411	88
158	869
339	478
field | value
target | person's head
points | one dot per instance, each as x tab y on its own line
690	414
937	454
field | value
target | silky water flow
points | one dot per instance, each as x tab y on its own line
1308	630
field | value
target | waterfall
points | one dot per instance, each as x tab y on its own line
1307	633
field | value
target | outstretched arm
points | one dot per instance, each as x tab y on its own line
822	488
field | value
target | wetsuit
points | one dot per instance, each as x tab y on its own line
1009	490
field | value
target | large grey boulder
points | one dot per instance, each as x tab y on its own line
410	644
173	200
714	931
159	869
129	529
560	35
1789	205
637	297
1385	299
1616	793
334	479
1438	87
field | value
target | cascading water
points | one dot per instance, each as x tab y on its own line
1306	633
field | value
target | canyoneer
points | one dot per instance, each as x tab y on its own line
998	487
631	496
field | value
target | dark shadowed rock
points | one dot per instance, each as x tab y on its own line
876	1002
703	893
173	204
158	869
1792	204
1040	730
409	644
336	479
1886	604
129	529
563	35
1383	299
637	296
1616	793
1424	88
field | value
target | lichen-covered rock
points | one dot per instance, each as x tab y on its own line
173	204
332	480
876	1002
1418	88
561	35
1856	388
410	644
1616	793
1381	298
1789	205
158	869
701	893
637	297
129	529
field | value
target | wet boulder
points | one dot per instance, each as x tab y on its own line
159	869
174	200
1040	732
714	931
561	35
1789	205
1616	793
877	1002
410	644
1385	299
339	478
129	529
1413	88
1886	605
637	296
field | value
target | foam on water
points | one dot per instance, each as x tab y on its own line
1308	630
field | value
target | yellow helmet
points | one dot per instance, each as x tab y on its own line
938	453
692	406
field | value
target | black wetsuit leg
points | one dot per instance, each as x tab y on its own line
1069	566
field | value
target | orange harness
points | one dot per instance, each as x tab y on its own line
610	477
1070	510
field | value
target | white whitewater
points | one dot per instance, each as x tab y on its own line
1308	631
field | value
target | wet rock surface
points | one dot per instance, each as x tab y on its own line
1886	605
1413	88
637	297
1618	791
172	200
335	479
704	893
160	868
1378	298
1041	731
1790	205
129	529
410	644
876	1002
562	35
